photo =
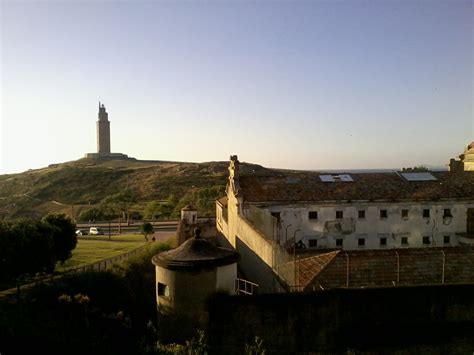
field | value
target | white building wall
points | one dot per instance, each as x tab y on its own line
327	229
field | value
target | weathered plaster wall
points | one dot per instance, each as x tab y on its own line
326	229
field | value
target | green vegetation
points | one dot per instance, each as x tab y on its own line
91	249
89	313
101	190
415	169
29	246
146	229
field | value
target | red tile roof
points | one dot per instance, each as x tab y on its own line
286	186
395	267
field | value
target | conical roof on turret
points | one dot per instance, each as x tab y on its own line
195	254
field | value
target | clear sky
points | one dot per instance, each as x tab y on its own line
289	84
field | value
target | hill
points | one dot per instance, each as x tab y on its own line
77	186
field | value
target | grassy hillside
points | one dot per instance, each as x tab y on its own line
76	186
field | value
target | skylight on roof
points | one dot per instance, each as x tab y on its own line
418	176
336	178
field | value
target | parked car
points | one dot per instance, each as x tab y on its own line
81	232
95	231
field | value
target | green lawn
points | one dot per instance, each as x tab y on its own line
90	249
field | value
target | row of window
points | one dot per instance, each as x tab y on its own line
313	215
313	243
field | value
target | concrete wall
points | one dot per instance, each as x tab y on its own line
189	216
410	320
188	291
225	278
327	229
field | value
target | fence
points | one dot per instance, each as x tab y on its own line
244	287
101	265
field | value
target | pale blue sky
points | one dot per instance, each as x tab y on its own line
290	84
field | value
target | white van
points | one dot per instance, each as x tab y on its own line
95	231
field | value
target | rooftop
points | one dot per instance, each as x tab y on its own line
394	267
195	254
302	186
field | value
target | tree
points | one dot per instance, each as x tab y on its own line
419	168
109	212
29	246
123	201
63	234
152	210
146	229
94	214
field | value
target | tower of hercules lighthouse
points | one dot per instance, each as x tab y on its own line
103	131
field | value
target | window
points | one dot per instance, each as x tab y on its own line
163	290
447	213
383	242
339	242
426	213
361	242
361	214
404	240
313	243
426	240
339	215
276	215
447	239
404	213
383	214
313	215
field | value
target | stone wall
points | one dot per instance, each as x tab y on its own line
431	319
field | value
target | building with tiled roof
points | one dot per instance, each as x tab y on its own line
383	268
274	214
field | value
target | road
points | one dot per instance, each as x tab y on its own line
132	227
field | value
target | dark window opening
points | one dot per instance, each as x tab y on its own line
383	214
383	241
426	213
470	221
404	240
361	214
447	213
447	239
404	213
361	242
163	290
313	215
426	240
339	242
313	243
276	215
339	215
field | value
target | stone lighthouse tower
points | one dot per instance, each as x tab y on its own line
103	138
103	131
